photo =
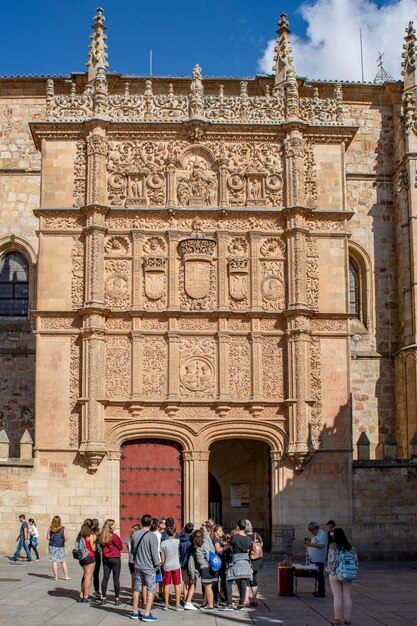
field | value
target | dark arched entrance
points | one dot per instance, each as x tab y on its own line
215	500
241	469
150	481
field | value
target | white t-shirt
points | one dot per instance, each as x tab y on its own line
33	531
159	537
318	555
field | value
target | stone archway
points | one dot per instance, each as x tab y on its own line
242	469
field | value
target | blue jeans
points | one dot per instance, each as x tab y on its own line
21	544
33	545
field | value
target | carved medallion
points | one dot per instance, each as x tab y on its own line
272	288
117	246
197	374
117	287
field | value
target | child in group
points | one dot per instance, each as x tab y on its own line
131	560
33	537
172	569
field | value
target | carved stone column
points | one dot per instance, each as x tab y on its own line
96	166
300	447
137	365
173	294
257	391
195	463
94	262
173	365
223	369
137	269
222	272
282	534
297	259
254	239
294	168
92	446
170	171
223	175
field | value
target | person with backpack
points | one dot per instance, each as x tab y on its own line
111	546
342	567
256	554
185	549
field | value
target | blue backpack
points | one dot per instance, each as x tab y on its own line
215	562
347	567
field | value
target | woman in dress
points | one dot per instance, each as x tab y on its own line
57	536
111	546
256	561
342	602
86	541
33	537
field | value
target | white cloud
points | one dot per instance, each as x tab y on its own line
330	48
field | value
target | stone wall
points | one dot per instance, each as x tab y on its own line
384	510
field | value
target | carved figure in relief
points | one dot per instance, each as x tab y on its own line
116	286
154	245
116	246
272	288
197	374
255	189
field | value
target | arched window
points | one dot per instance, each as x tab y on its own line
14	285
354	290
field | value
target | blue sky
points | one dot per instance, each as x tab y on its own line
226	37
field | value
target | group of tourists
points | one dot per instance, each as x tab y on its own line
333	553
159	558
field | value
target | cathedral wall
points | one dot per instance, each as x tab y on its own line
56	485
329	164
332	271
58	173
54	276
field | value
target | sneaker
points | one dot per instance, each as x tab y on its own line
165	607
240	607
189	606
117	602
179	608
103	600
134	616
149	618
227	607
206	608
97	595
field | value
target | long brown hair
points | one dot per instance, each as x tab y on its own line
56	524
106	532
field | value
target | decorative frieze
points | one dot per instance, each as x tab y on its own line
197	367
118	366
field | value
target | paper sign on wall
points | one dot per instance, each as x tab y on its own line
239	495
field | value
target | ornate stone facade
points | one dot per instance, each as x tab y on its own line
193	275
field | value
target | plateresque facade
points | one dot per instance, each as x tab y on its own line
208	300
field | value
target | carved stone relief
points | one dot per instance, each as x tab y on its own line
155	373
196	182
312	271
272	368
75	377
136	173
77	281
118	366
239	368
117	284
197	323
154	286
197	367
118	323
154	323
80	174
117	246
316	390
197	274
238	272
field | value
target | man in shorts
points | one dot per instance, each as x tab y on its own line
146	559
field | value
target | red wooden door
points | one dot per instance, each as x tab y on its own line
150	482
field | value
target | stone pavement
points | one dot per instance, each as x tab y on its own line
385	594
